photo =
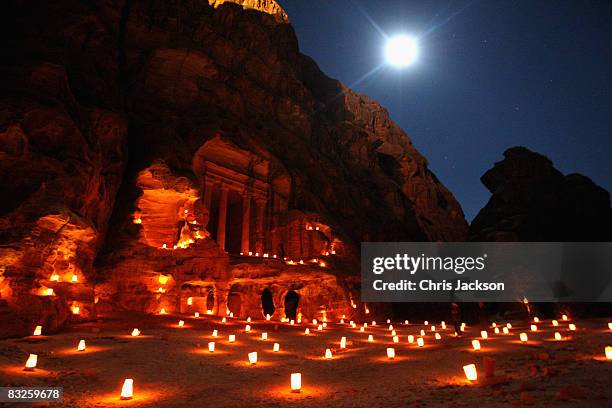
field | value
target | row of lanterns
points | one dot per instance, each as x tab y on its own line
296	378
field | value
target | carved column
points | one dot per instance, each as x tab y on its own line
208	190
246	221
260	207
222	217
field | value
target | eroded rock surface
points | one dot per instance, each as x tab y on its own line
237	143
533	201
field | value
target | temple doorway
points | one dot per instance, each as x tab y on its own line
233	234
292	299
267	302
210	301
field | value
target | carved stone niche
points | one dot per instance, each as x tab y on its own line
244	192
167	202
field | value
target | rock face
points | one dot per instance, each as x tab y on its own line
533	201
237	144
267	6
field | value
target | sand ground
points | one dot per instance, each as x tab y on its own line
172	367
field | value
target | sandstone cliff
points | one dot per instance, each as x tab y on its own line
86	79
533	201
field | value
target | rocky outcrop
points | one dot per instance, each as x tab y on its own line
533	201
266	6
87	78
61	164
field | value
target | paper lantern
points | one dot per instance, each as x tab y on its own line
443	324
247	328
437	336
231	338
248	319
433	328
470	372
181	323
523	337
189	301
135	333
608	353
536	320
215	333
564	317
276	347
296	382
231	315
74	278
211	346
496	330
127	391
393	333
224	320
81	346
390	353
292	322
555	323
370	338
476	344
508	325
373	322
558	336
505	330
37	331
405	321
484	334
320	327
390	327
55	277
196	314
253	358
534	328
362	329
493	324
420	342
388	321
307	331
264	336
396	339
572	326
343	343
422	333
268	317
341	321
609	326
411	339
162	311
426	322
314	322
328	353
30	364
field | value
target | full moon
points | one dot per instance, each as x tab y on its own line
401	51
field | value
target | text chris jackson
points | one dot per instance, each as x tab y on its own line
412	264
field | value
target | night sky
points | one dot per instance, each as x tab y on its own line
490	75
